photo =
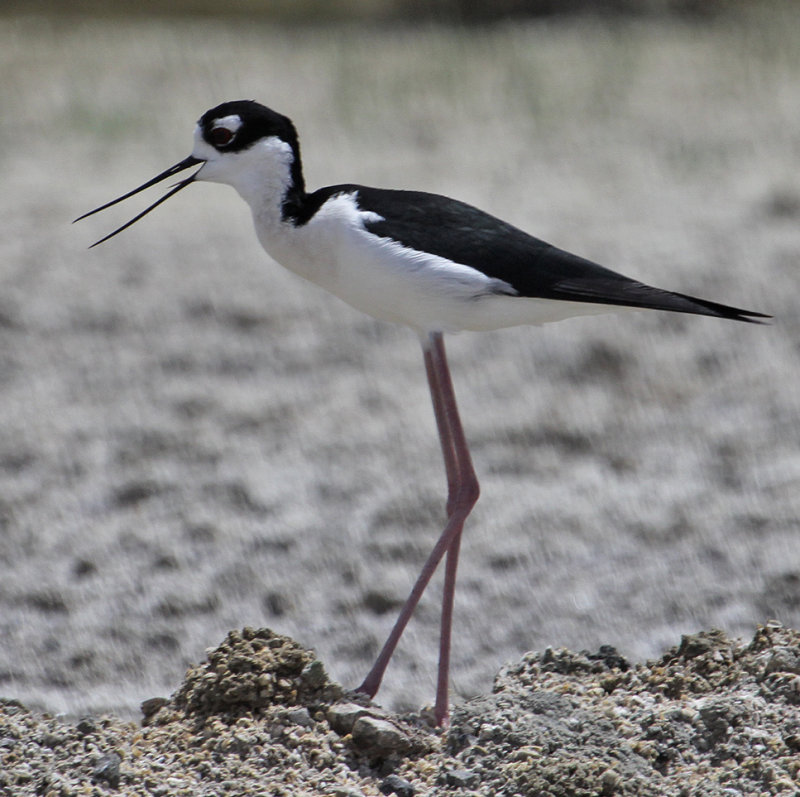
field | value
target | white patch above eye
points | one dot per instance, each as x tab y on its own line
232	122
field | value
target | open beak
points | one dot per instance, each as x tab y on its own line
178	167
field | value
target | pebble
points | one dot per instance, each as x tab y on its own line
107	769
343	715
379	737
86	726
460	778
394	784
300	716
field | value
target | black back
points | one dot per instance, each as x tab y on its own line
533	268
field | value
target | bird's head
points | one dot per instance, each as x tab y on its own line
241	143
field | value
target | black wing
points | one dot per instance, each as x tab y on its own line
534	268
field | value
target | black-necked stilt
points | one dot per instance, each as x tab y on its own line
433	263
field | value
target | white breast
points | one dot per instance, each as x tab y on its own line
376	275
394	283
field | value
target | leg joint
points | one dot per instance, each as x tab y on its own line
464	496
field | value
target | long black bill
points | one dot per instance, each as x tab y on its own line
178	167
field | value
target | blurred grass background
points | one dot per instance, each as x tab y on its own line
317	11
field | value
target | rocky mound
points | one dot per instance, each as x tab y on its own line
713	716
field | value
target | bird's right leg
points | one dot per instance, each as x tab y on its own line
462	493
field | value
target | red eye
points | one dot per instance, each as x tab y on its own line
220	136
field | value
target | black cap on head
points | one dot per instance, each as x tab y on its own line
257	122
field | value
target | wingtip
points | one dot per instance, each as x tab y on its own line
717	310
751	317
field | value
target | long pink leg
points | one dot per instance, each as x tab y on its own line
462	494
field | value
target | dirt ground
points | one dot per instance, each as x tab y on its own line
713	717
192	440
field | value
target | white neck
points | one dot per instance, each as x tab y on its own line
260	174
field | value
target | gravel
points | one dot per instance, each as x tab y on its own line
713	716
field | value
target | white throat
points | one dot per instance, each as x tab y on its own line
261	174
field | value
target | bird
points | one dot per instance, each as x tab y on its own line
434	264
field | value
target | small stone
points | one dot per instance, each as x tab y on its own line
12	707
313	675
22	774
379	737
489	732
783	660
394	784
53	740
300	716
609	781
152	705
107	769
460	778
86	726
53	784
694	645
342	716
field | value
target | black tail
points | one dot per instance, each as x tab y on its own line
608	287
704	307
